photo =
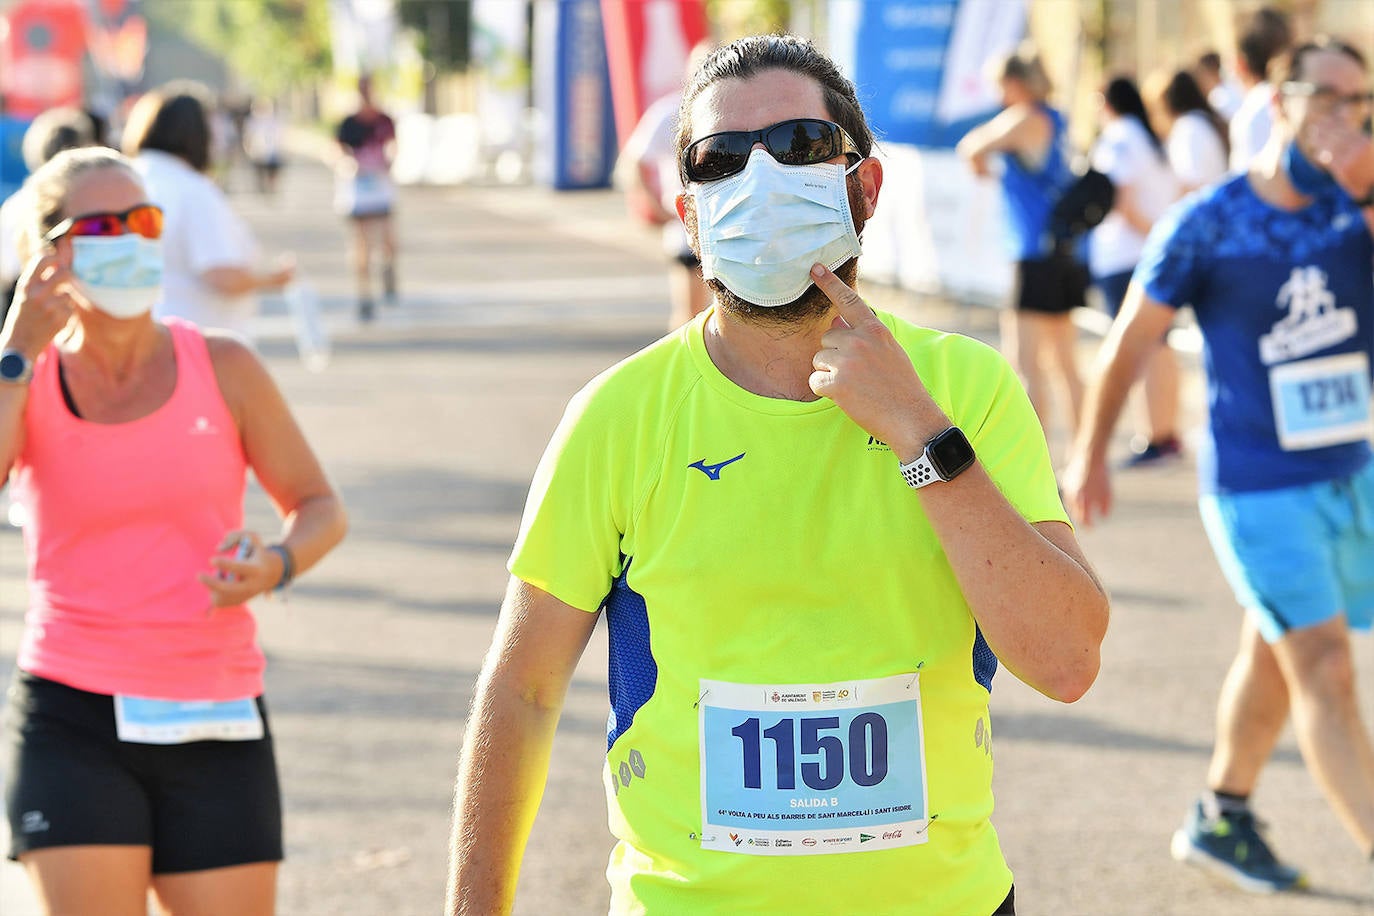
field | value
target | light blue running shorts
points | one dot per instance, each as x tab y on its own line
1298	556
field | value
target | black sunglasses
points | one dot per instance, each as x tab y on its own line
799	141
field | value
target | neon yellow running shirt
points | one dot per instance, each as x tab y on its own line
799	693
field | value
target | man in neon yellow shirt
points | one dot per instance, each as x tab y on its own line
815	530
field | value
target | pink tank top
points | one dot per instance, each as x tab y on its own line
121	519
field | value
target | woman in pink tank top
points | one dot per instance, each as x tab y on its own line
138	753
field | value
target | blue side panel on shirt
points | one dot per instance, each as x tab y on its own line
633	673
984	660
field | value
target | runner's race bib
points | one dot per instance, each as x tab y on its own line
808	769
140	720
1320	402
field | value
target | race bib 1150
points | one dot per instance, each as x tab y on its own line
806	769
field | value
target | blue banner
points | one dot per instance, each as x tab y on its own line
577	102
920	65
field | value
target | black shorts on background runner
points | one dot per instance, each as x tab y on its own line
69	781
1052	285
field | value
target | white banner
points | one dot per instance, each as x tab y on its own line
499	49
937	230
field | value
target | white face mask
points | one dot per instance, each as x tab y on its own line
762	229
120	274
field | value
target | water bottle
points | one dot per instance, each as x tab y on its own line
312	340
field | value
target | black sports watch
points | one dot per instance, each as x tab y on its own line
945	457
15	368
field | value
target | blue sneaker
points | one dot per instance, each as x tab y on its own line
1231	847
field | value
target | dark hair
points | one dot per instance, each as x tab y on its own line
1124	98
173	120
748	57
1265	36
1209	61
1183	95
1289	67
53	131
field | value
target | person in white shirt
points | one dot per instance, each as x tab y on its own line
210	275
1266	36
1132	156
1195	134
648	170
262	139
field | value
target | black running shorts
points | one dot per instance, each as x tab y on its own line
1052	285
69	781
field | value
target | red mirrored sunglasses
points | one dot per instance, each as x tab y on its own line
144	220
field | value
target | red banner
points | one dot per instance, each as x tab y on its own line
647	45
41	46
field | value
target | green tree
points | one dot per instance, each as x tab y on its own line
735	18
272	44
444	28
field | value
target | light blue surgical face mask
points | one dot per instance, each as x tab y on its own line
120	274
1307	177
762	229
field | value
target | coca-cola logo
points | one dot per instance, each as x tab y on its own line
892	834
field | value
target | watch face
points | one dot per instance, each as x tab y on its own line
12	366
950	452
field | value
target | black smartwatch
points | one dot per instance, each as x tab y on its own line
945	457
15	368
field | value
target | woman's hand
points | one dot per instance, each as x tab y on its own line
246	572
42	305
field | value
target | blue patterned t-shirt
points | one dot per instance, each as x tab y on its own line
1285	303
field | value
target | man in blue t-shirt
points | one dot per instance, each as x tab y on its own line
1278	265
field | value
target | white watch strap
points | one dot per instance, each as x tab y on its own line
920	472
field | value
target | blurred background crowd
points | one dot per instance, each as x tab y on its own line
550	91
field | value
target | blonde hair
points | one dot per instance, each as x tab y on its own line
45	191
1023	65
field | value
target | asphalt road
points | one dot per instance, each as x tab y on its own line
431	421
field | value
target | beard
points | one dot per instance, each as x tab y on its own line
812	303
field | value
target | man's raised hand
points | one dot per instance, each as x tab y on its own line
863	369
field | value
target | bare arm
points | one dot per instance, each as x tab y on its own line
313	517
1133	338
1020	129
41	308
237	281
1029	587
505	756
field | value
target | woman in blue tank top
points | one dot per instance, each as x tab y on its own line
1029	137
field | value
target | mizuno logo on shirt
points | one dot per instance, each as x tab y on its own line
713	470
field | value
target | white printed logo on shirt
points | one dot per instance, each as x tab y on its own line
33	822
1313	321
